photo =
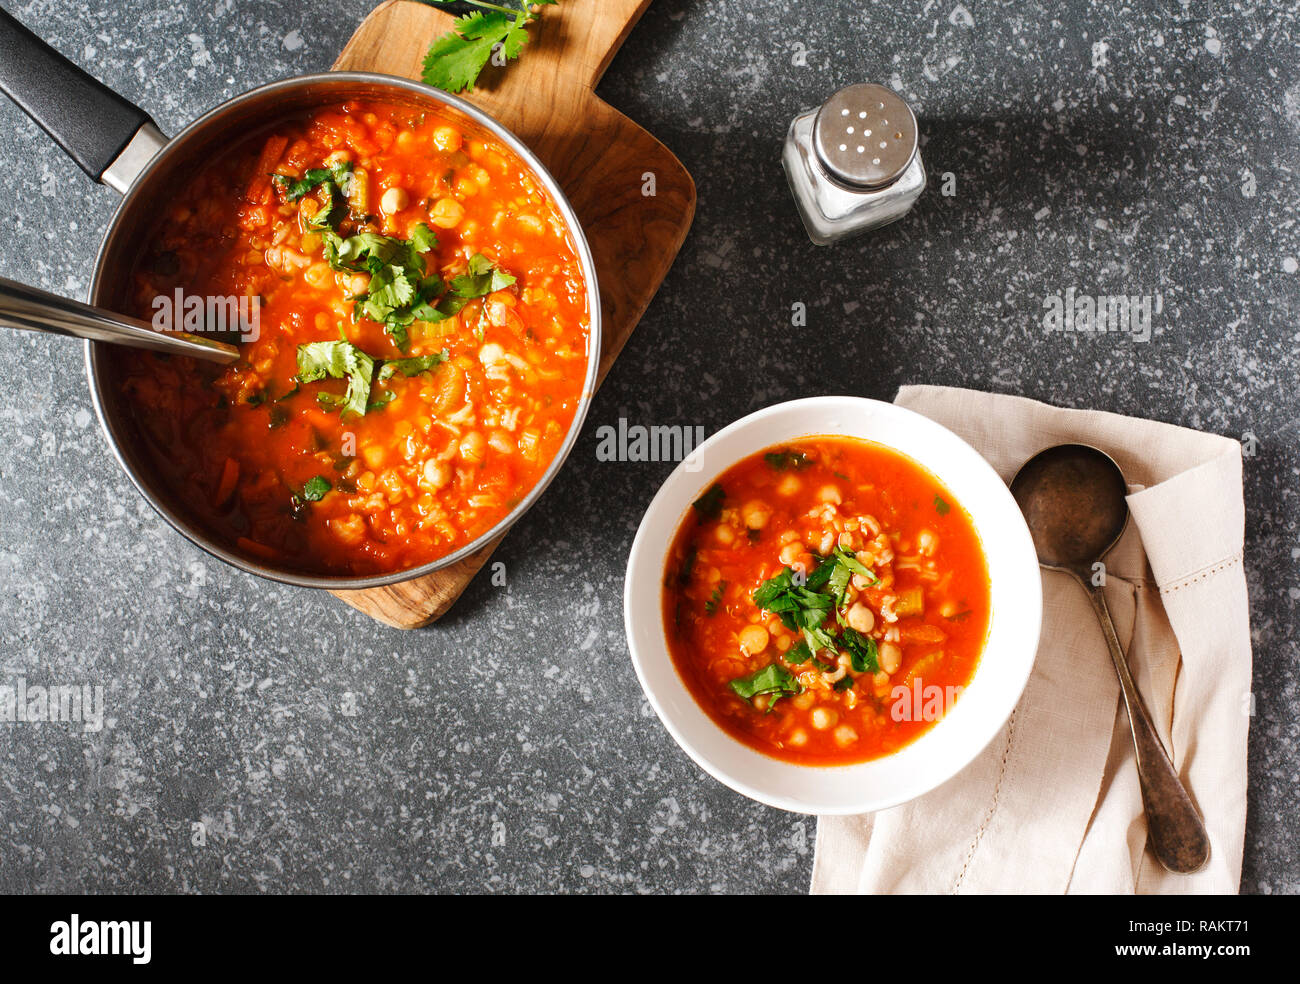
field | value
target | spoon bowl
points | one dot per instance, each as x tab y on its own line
1073	498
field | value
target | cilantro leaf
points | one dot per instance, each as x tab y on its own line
863	653
315	489
787	459
390	289
455	60
940	506
382	400
818	639
846	558
819	577
423	238
339	174
412	366
715	598
771	679
481	278
798	653
709	505
338	360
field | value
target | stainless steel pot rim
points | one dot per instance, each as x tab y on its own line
422	91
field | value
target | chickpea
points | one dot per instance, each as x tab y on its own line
472	446
798	737
790	485
435	475
829	493
926	542
447	139
791	553
823	718
861	619
358	284
394	200
891	656
724	535
350	529
845	736
755	514
754	639
447	213
531	224
319	275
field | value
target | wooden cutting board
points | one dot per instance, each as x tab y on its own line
599	157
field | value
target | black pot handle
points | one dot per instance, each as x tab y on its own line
90	121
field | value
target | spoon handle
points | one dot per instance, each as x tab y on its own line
33	309
1175	831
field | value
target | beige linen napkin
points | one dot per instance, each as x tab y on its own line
1053	804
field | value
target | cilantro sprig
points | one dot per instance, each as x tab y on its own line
803	604
343	360
455	60
773	679
337	174
400	291
338	360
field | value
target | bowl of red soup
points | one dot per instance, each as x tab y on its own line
833	605
417	317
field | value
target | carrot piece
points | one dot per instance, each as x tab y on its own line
270	156
253	547
921	633
226	487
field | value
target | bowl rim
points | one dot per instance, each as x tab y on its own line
97	373
646	558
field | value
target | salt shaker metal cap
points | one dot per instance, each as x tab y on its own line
854	164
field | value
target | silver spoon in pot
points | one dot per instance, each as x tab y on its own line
32	309
1073	498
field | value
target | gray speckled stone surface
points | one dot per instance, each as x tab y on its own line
1094	146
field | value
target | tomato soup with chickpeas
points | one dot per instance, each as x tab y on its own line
824	601
422	345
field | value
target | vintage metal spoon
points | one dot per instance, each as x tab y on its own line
38	310
1072	496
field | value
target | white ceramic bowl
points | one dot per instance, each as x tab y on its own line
973	721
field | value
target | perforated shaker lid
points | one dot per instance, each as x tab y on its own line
865	136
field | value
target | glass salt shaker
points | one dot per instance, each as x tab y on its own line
854	164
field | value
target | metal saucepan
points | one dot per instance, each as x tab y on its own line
117	144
